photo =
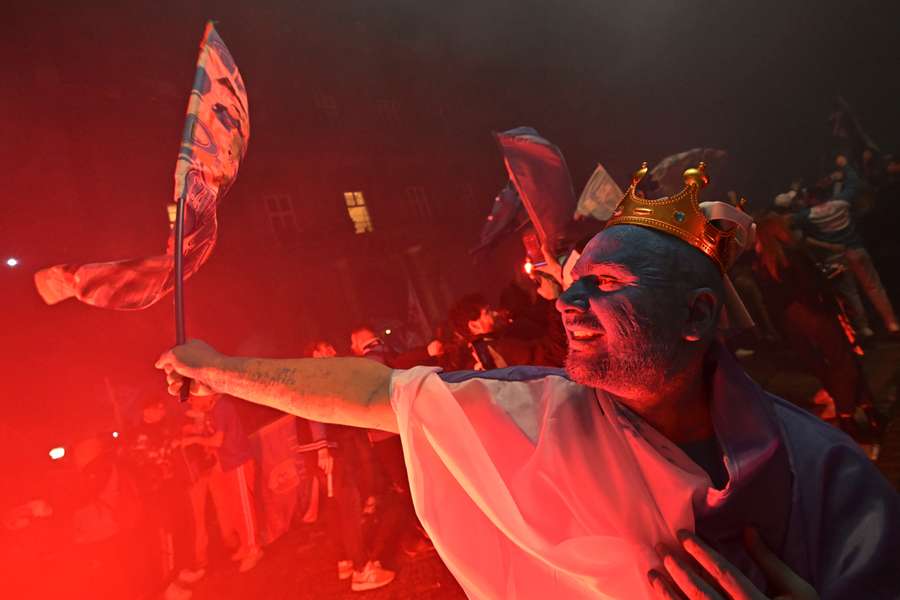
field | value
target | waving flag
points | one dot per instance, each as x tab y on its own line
539	172
600	197
216	133
667	173
506	215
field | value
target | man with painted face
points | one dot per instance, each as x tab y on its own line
652	467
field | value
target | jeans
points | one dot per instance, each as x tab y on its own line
860	263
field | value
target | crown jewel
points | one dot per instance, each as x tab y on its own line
679	215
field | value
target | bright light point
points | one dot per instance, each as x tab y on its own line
12	262
387	332
529	267
57	453
115	434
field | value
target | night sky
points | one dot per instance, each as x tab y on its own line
93	100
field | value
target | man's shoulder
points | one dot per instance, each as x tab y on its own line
526	395
808	434
519	374
823	456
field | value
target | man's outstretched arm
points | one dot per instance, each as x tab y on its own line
346	391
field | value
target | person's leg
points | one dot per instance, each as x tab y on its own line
840	372
233	496
246	507
752	296
197	495
864	270
345	514
845	286
222	490
404	530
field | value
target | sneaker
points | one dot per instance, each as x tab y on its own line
241	554
372	576
345	569
190	576
250	560
417	547
176	592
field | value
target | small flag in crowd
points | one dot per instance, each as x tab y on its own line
600	197
216	133
668	172
539	172
506	215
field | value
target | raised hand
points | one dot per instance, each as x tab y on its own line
189	361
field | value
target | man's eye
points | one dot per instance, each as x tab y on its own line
602	282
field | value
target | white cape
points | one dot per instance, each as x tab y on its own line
532	486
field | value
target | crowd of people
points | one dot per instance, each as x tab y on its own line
820	268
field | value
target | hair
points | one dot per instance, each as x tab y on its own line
310	347
773	236
363	327
468	308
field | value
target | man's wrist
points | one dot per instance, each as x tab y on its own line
219	372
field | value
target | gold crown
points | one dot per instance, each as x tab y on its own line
679	215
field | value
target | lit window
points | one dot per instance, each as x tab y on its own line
359	213
418	202
280	208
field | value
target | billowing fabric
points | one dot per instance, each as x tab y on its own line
600	196
537	488
532	486
216	133
541	177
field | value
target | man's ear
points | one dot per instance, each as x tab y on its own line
702	317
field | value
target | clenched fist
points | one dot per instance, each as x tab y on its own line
194	361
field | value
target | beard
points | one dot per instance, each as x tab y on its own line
633	363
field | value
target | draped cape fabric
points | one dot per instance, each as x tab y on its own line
532	486
216	133
537	488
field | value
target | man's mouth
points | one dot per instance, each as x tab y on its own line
583	334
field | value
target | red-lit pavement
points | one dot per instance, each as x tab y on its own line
297	570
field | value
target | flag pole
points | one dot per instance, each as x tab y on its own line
178	252
181	179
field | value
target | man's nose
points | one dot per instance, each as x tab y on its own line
573	300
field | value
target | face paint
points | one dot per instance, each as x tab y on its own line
621	313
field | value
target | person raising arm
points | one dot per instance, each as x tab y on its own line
343	391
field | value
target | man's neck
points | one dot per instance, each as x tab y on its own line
680	410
